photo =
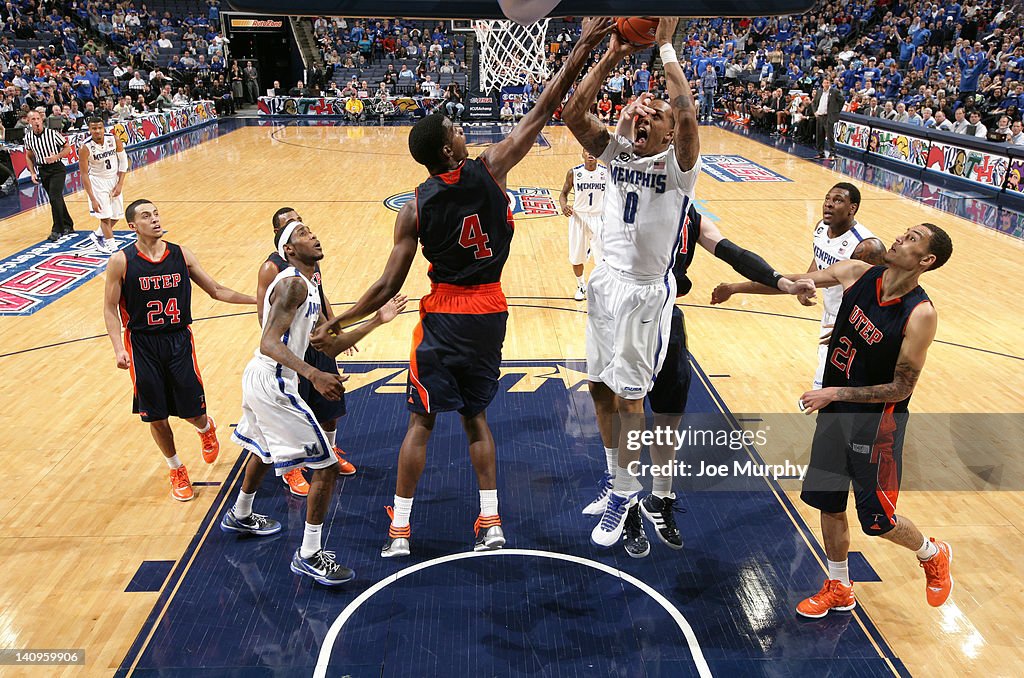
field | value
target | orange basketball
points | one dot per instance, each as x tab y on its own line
637	30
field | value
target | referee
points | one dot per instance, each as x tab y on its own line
44	149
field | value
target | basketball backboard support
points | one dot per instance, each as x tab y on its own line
489	9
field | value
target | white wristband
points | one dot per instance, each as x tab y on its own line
668	54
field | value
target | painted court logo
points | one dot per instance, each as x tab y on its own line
735	168
38	275
528	202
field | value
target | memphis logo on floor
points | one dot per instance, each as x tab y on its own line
734	168
43	273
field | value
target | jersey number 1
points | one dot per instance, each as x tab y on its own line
473	236
157	308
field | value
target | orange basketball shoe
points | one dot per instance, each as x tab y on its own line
345	467
832	596
936	572
181	486
211	446
296	482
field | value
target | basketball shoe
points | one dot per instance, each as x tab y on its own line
181	486
397	544
345	467
296	482
322	568
596	507
581	293
211	446
609	530
488	532
936	571
254	523
634	539
660	511
832	596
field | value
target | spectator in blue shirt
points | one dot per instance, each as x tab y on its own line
907	49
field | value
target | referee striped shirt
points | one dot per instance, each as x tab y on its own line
48	143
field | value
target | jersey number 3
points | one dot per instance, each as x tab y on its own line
473	236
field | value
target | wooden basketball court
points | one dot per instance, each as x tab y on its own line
84	496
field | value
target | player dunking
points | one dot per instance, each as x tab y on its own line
277	426
462	218
149	292
326	411
838	236
103	163
587	182
668	395
885	325
650	186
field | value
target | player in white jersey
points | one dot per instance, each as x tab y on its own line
103	164
632	291
838	236
587	181
277	426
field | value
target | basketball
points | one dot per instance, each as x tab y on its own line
638	31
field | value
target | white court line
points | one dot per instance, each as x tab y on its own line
332	634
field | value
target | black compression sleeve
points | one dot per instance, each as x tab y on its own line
747	264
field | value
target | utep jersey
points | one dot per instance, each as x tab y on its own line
588	189
828	251
464	224
102	158
156	296
867	338
691	233
645	204
296	337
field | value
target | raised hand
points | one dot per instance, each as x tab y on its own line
392	309
666	29
595	28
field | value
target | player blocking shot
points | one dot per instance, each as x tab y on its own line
277	427
103	164
587	182
462	219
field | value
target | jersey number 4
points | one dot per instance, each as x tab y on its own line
158	308
473	236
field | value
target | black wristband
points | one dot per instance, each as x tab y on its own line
746	263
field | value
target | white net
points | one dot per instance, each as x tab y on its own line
510	53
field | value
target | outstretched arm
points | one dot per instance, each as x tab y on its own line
346	340
211	286
584	125
686	138
917	338
748	264
843	273
505	155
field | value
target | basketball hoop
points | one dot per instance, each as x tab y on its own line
510	53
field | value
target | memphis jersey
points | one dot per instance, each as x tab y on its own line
464	223
296	337
645	206
588	188
867	339
828	251
102	158
690	233
156	296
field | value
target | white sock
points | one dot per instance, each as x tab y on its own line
243	505
662	486
403	509
927	550
331	436
611	457
173	462
207	427
840	571
488	502
98	232
625	483
110	242
579	281
310	540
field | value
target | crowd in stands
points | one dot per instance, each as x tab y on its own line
113	60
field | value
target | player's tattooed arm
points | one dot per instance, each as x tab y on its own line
584	125
871	250
680	97
904	380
